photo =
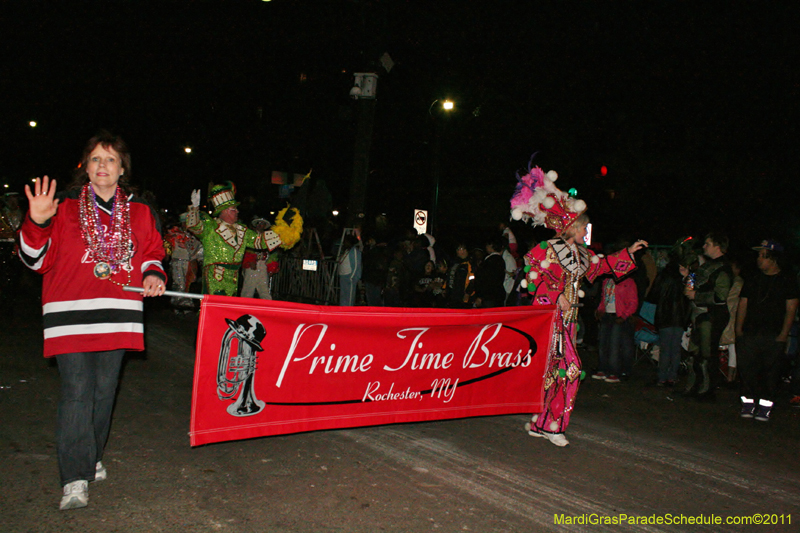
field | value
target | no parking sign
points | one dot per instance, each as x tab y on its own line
420	221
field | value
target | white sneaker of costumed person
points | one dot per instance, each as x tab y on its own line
559	439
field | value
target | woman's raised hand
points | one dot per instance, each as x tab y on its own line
42	201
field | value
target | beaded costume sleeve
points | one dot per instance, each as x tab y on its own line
553	267
618	264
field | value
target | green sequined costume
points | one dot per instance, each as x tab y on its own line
223	250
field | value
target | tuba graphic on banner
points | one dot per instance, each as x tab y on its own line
236	371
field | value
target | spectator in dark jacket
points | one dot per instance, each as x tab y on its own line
422	295
395	293
459	286
418	256
376	268
490	277
672	315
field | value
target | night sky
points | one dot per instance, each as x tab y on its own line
692	106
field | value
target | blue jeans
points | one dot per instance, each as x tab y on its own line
88	387
615	345
669	358
347	287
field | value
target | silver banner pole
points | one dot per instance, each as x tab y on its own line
168	293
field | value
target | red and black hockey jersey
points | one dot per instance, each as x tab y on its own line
82	313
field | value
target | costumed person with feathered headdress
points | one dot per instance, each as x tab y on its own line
225	240
553	272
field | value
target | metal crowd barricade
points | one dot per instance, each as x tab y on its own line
294	283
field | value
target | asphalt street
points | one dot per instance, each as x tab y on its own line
636	453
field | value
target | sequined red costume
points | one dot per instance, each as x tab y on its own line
554	268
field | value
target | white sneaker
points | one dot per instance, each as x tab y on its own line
100	472
532	432
76	495
556	438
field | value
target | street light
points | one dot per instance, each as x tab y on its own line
32	123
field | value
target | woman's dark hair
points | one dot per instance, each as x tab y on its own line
349	241
107	140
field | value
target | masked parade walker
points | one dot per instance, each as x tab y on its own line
224	244
555	268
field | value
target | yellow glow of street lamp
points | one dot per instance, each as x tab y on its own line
188	149
448	105
32	123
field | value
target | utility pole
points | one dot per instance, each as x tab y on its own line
363	92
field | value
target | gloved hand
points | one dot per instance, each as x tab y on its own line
196	198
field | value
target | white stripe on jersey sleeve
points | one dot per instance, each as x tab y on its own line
148	264
33	253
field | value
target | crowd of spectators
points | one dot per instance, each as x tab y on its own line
417	271
719	321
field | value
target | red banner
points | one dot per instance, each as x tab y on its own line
269	367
